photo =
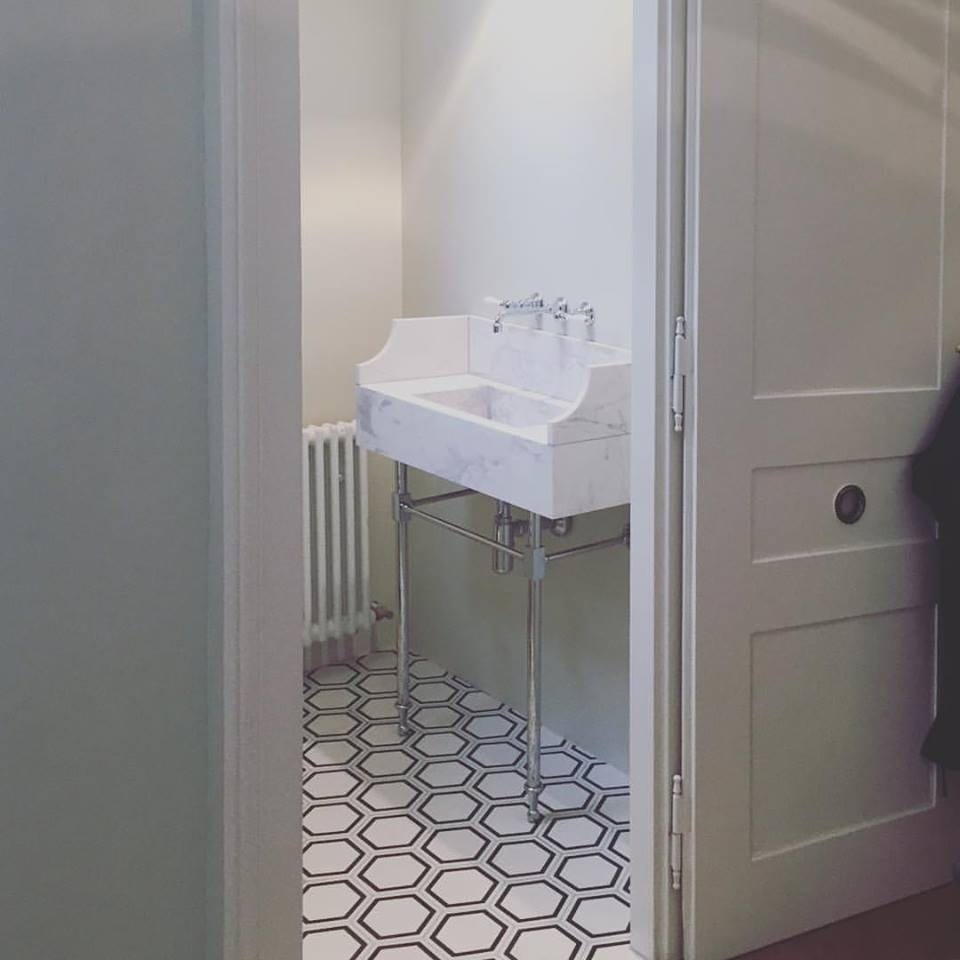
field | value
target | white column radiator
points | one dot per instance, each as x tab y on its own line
336	540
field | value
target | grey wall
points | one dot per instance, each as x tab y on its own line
351	96
103	483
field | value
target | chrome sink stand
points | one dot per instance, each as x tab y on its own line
536	562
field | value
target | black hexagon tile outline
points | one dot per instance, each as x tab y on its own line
420	849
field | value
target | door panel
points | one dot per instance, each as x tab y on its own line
893	515
849	141
837	712
825	309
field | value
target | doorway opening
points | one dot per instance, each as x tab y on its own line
455	151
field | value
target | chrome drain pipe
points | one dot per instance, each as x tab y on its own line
504	532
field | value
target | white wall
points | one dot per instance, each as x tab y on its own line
351	101
103	490
518	176
517	153
350	68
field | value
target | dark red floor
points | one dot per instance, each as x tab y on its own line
922	928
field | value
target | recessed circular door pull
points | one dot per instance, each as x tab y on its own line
851	504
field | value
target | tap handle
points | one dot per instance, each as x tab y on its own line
535	299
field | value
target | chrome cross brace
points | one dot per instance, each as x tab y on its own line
536	561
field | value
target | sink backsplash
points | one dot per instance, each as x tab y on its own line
542	361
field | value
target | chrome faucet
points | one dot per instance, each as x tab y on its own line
586	312
536	306
532	306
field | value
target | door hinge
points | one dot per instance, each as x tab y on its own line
682	368
679	827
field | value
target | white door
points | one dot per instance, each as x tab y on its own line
825	306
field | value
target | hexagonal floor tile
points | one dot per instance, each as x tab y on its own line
602	916
605	777
478	702
509	820
330	786
559	765
379	708
494	727
589	871
336	676
387	763
444	808
502	786
330	857
565	797
326	699
439	744
378	684
382	735
332	945
389	795
455	846
537	900
435	852
396	917
470	933
492	755
325	902
616	809
333	818
575	833
330	753
401	871
433	691
539	944
521	858
427	670
466	887
387	833
449	773
436	718
331	725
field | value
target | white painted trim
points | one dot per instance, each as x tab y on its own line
253	213
656	481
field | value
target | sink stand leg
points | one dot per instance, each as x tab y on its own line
402	519
534	667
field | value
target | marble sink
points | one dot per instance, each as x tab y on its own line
539	420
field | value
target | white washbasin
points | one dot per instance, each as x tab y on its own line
527	416
513	408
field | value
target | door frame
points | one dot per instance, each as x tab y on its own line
656	589
252	134
252	138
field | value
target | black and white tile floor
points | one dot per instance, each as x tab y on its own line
420	850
